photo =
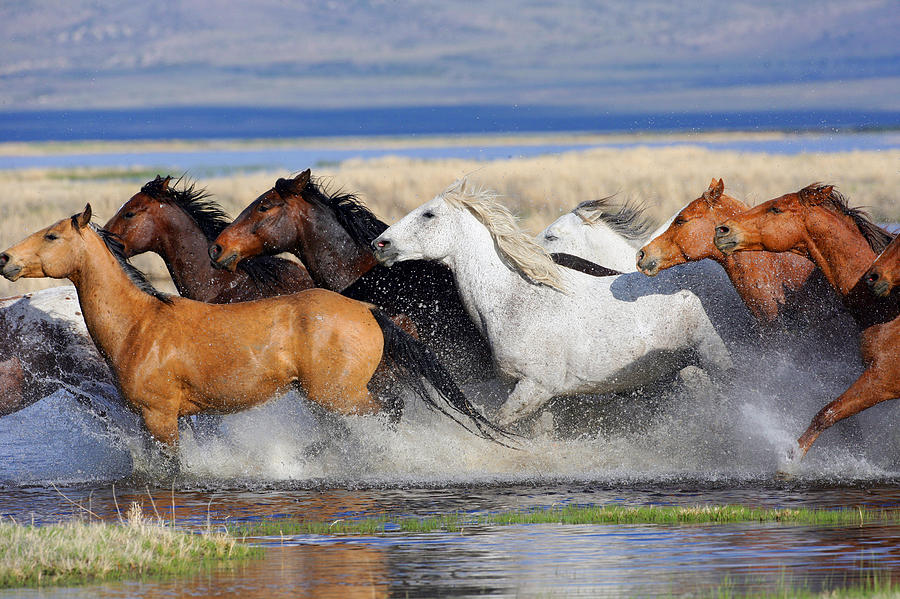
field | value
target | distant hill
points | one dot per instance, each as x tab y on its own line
616	55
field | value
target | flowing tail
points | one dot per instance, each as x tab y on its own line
420	362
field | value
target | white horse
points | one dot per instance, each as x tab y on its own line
552	330
597	232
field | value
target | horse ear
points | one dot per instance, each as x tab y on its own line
165	183
83	219
712	195
301	180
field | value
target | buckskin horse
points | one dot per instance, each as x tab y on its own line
174	357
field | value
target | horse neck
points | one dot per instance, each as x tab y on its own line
111	304
482	278
610	249
837	247
332	258
184	249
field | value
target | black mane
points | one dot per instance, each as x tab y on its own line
116	248
629	220
266	272
196	203
359	222
877	238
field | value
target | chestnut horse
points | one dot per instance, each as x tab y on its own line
332	233
884	274
178	225
174	357
817	223
764	280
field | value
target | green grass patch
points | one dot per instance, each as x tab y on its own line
82	552
572	514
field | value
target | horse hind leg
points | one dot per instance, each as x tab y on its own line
869	389
525	399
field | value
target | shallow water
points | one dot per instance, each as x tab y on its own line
210	162
257	467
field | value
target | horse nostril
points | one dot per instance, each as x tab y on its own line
640	255
215	250
4	258
722	230
382	243
873	276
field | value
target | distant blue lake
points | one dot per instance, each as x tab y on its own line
209	162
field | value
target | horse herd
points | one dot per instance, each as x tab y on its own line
452	293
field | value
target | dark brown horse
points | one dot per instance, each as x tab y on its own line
178	224
332	233
764	280
884	274
816	222
174	357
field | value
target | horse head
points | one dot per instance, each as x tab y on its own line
689	237
884	274
56	251
266	226
138	222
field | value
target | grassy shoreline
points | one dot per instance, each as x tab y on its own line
74	553
570	515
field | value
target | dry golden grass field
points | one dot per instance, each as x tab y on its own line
538	189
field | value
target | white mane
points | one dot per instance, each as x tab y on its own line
516	246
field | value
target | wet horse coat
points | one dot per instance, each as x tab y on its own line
551	330
817	222
176	357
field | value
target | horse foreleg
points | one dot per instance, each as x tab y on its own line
525	399
162	425
870	388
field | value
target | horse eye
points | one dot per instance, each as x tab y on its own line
428	214
550	237
129	215
775	209
262	207
679	221
51	237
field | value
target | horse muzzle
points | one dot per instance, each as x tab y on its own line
221	261
8	268
385	252
647	265
879	286
726	240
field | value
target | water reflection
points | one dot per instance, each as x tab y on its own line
540	560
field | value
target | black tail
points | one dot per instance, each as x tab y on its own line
420	362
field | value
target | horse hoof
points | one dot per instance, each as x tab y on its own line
543	426
789	463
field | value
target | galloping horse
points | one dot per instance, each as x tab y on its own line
884	274
597	233
817	223
178	225
553	331
593	230
332	235
764	280
174	357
